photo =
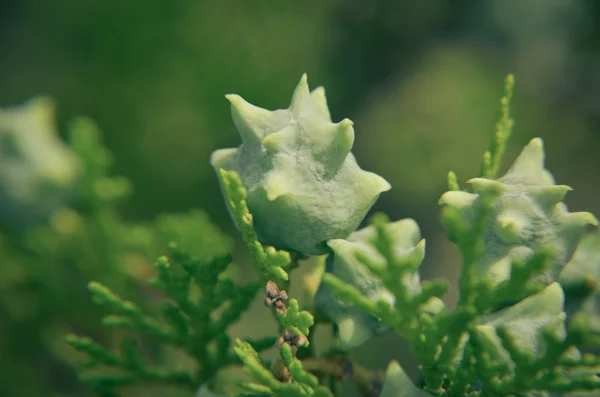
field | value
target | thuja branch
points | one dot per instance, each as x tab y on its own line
188	324
493	157
269	262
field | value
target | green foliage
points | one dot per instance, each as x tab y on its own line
45	267
525	317
34	162
527	343
377	270
580	280
492	159
269	262
304	384
187	323
192	326
518	350
296	324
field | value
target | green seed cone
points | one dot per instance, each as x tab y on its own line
304	186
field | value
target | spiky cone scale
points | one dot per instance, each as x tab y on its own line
525	320
356	327
523	325
398	384
534	327
527	214
37	170
581	281
304	185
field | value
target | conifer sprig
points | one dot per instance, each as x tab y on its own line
294	323
448	345
510	333
492	159
269	262
186	323
303	384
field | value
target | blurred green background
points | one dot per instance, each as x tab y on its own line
420	79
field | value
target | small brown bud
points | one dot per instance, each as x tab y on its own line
285	376
295	341
271	289
275	298
281	372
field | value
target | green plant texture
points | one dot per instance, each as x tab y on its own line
527	321
79	237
